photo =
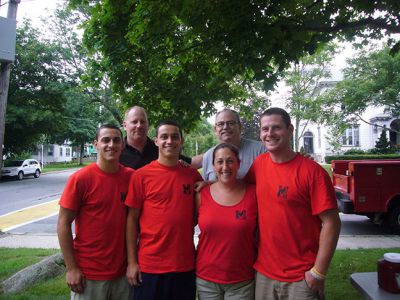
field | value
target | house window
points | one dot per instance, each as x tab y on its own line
375	130
351	136
68	152
50	150
61	151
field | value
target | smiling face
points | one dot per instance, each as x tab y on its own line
275	134
136	125
169	142
226	164
109	145
227	128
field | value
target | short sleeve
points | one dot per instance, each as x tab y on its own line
322	193
135	196
72	195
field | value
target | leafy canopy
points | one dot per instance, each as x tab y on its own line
176	58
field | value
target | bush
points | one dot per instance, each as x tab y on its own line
354	152
329	158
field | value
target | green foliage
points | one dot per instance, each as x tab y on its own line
303	80
35	99
177	58
200	139
354	152
251	117
382	145
329	158
371	78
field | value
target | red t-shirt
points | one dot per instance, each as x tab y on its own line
165	198
227	243
98	198
290	196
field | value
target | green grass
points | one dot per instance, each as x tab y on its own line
62	166
338	286
346	262
327	167
13	260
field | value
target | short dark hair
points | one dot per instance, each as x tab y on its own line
231	147
169	122
108	126
277	111
229	110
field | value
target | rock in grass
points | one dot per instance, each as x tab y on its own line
47	268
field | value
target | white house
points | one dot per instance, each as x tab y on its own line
361	135
53	153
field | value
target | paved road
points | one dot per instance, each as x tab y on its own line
15	195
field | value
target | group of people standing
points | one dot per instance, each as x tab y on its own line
268	220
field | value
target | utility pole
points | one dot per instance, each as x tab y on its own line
4	81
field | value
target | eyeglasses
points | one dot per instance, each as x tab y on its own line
228	123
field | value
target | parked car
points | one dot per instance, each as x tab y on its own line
21	168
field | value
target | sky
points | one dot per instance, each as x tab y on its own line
32	9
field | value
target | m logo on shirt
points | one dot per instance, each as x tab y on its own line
186	189
282	192
241	215
123	197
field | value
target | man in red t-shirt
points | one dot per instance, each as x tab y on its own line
299	224
161	201
94	198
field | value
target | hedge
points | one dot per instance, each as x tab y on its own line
329	158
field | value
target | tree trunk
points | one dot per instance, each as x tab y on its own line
82	148
47	268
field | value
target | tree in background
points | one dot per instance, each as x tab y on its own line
303	80
372	77
177	58
200	139
36	93
382	145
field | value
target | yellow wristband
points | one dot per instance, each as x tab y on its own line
320	275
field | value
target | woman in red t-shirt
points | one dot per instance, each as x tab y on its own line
227	217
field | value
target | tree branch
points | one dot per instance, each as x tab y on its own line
369	123
376	23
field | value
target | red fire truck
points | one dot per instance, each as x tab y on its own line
370	188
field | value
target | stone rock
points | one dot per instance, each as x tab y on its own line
47	268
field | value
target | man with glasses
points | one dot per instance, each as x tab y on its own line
228	130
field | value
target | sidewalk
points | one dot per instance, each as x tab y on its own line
51	241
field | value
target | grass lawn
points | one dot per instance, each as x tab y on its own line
327	167
62	166
338	286
13	260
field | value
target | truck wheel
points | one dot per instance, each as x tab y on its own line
394	218
20	175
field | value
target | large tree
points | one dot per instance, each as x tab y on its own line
371	78
36	93
177	58
304	82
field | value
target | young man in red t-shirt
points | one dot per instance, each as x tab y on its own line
94	198
161	201
299	223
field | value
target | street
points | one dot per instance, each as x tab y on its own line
16	195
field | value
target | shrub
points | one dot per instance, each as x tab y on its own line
354	152
329	158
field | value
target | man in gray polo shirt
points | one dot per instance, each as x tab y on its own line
228	130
